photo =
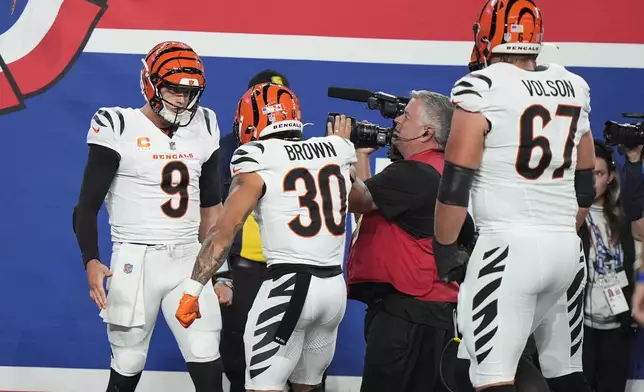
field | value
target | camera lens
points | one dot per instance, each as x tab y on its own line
369	135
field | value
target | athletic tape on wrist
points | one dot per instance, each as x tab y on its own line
193	288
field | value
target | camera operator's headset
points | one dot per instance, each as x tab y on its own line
393	153
426	133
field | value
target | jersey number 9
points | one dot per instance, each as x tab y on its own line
317	214
528	142
181	188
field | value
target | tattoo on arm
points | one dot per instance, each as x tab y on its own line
216	246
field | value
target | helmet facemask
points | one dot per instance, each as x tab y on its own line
175	115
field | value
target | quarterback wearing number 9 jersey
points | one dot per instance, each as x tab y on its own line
156	170
521	146
299	190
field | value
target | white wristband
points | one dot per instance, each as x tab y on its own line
192	287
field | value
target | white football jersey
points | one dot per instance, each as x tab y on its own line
154	197
302	215
527	173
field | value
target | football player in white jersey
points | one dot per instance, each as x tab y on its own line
521	142
298	189
156	168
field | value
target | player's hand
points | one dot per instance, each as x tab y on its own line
451	262
638	303
224	293
96	274
188	310
341	127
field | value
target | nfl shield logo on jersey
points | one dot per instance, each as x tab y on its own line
127	268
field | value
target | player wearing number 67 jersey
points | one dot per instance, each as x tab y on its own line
298	189
156	169
521	144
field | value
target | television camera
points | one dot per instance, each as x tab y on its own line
364	134
626	136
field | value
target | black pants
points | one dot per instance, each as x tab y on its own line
248	277
403	356
606	357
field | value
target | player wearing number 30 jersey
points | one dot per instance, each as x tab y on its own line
156	170
298	189
521	143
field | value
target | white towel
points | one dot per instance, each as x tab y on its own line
125	304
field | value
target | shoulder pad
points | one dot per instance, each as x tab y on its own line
249	158
210	119
469	92
584	120
348	148
212	127
107	126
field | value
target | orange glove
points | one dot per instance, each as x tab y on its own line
188	310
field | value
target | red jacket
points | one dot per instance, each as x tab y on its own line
382	252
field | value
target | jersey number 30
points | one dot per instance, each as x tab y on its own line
528	142
318	213
181	188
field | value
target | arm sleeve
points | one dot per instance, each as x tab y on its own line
403	186
471	93
102	164
209	182
106	127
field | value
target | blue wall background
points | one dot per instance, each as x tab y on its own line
48	318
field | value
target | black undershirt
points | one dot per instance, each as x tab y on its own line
405	192
101	168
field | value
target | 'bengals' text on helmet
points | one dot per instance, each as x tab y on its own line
506	27
176	67
268	110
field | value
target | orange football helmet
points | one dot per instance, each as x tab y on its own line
508	27
267	109
176	66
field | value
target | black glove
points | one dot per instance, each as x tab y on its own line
451	262
628	326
